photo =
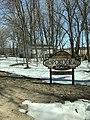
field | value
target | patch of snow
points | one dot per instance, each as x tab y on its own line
78	110
38	70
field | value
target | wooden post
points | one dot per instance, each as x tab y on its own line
50	76
73	76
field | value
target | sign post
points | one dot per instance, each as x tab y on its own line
73	76
50	76
62	60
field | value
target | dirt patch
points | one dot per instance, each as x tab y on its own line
14	90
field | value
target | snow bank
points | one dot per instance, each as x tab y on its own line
78	110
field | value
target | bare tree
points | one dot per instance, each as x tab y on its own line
84	7
33	26
3	40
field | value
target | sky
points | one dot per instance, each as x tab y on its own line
77	110
44	11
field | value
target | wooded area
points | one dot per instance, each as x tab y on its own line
54	23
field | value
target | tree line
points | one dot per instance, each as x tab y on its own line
55	23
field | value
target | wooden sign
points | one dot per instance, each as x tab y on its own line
61	72
62	60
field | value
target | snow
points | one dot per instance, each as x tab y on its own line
38	70
77	110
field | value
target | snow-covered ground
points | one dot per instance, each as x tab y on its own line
38	70
78	110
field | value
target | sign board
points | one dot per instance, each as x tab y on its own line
61	72
62	60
